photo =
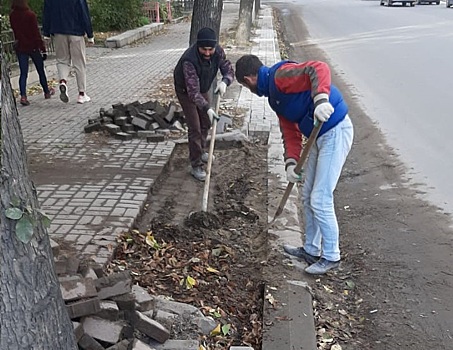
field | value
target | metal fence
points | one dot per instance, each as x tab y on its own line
7	38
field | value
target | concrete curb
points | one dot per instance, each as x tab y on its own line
132	35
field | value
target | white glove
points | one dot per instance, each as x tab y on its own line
91	40
221	88
323	109
291	175
212	115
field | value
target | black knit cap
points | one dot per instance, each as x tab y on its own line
206	37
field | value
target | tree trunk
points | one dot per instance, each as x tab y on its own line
33	313
206	13
244	22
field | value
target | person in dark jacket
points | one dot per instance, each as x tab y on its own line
28	44
68	21
302	95
193	75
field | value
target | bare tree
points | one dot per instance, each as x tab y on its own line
244	22
33	313
206	13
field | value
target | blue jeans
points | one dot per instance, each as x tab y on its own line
36	57
322	171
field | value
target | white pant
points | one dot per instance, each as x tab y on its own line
70	51
322	171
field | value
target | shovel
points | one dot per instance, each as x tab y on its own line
298	168
204	203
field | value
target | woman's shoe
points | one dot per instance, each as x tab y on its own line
24	101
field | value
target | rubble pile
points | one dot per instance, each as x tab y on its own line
150	120
109	312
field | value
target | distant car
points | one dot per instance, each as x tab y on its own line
449	3
420	2
403	2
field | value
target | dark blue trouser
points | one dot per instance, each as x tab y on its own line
36	57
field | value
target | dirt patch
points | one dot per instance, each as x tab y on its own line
211	259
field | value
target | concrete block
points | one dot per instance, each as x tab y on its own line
205	324
161	303
144	301
114	285
125	301
172	344
170	113
109	310
156	138
77	288
122	345
145	133
112	128
124	136
140	122
104	330
55	247
151	328
92	127
88	343
163	317
120	121
154	126
127	127
139	345
78	330
83	307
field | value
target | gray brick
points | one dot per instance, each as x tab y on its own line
83	307
151	328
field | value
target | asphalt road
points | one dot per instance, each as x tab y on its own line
397	61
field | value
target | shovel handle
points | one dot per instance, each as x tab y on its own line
204	203
311	140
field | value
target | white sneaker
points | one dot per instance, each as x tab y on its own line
198	173
64	93
83	98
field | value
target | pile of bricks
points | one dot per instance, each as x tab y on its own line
109	312
150	120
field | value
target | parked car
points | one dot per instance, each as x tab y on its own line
403	2
449	3
420	2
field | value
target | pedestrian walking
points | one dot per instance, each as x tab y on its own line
302	94
28	45
193	76
67	22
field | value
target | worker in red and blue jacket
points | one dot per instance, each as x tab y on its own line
302	95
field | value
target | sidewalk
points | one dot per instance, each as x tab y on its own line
88	211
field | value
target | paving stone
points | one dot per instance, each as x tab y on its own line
173	344
92	127
241	348
88	343
112	128
144	300
155	138
161	303
109	310
103	330
139	345
55	248
151	328
83	307
114	285
77	288
125	301
78	330
124	136
122	345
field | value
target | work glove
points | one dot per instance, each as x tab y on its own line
46	39
291	175
212	115
91	41
323	108
221	88
44	56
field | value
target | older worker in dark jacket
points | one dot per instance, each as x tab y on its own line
196	70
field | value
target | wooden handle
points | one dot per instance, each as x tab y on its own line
298	168
204	204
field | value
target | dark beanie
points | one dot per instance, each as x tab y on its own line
206	38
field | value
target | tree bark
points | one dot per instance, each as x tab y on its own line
206	13
33	313
244	22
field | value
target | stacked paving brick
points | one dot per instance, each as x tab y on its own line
109	312
150	120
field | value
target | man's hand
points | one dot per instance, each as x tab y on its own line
46	39
91	41
323	108
212	115
221	88
291	175
44	56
